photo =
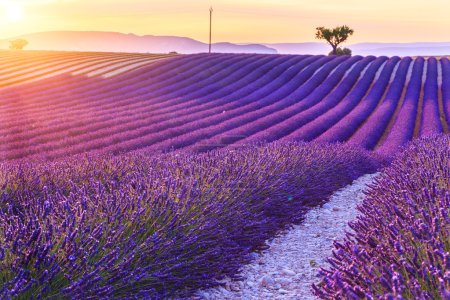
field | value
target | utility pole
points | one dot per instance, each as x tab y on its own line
210	26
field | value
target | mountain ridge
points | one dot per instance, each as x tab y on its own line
104	41
122	42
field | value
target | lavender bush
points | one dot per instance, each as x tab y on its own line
137	226
401	245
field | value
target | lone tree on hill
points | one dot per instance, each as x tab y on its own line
335	37
18	44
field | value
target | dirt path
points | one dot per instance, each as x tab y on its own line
288	268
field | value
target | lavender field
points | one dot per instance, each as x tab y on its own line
111	103
144	176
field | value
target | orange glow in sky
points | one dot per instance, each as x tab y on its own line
234	20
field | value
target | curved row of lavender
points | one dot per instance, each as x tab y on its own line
137	226
400	248
27	66
203	102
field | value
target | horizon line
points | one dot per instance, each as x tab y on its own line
238	43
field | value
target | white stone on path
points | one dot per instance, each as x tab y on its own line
288	268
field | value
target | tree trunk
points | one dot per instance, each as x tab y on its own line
334	49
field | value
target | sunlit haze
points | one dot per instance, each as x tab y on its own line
234	20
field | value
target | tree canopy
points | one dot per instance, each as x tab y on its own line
334	36
17	44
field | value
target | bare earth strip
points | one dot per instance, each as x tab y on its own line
290	265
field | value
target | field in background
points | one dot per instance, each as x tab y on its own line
18	67
55	104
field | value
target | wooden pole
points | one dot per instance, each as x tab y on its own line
210	27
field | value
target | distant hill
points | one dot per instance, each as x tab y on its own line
120	42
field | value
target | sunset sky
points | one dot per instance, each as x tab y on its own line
234	20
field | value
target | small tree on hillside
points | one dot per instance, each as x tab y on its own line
335	36
18	44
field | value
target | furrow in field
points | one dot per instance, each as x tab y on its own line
352	112
53	70
30	61
418	123
402	131
33	62
355	91
442	118
54	104
102	110
132	124
156	133
85	95
397	109
272	100
109	71
59	92
280	121
446	89
371	131
430	121
291	126
208	131
253	122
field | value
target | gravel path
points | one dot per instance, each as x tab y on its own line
288	268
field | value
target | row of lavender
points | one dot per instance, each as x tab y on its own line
203	102
151	101
26	66
135	226
401	245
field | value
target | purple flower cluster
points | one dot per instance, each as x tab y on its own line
136	226
400	245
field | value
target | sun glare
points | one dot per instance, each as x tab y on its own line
14	12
